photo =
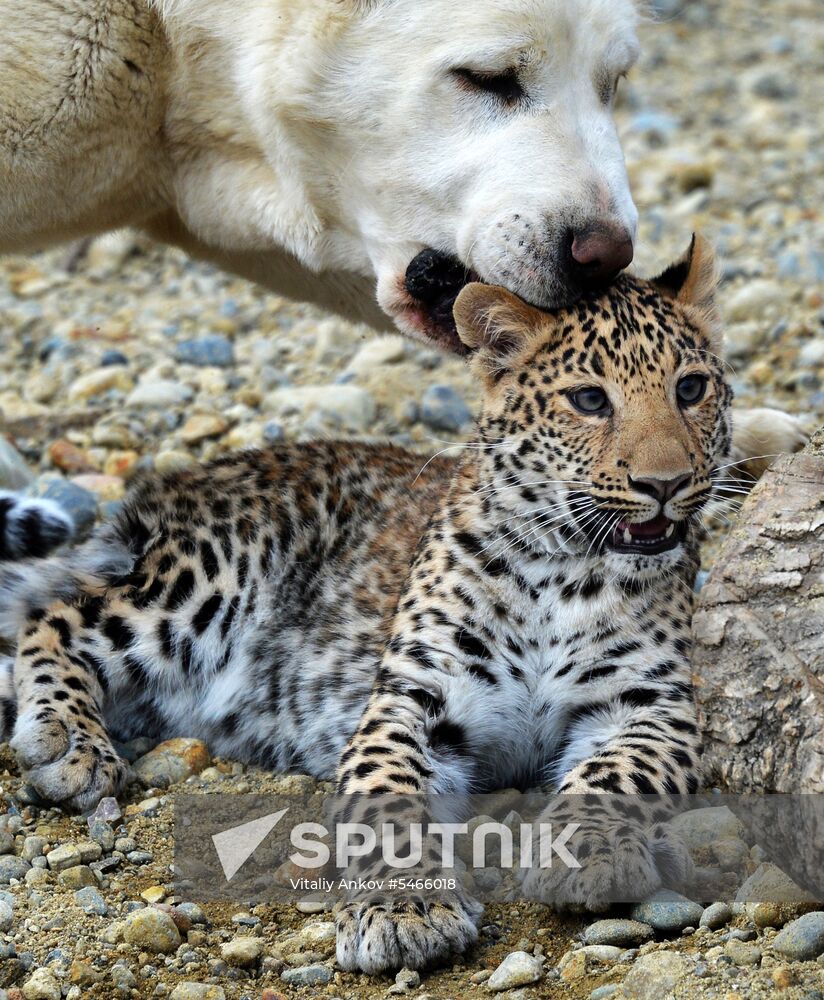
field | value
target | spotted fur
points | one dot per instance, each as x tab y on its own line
447	626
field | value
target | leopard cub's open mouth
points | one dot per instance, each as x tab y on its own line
648	537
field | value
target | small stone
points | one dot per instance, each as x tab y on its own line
769	914
574	965
273	432
77	877
152	930
378	351
318	936
140	857
743	953
121	464
615	931
108	811
102	834
68	457
41	985
91	901
172	761
604	992
803	939
99	381
202	426
668	912
307	975
113	357
443	409
6	915
349	405
14	472
310	906
408	979
715	916
768	884
6	843
783	978
213	350
517	969
192	912
654	975
154	894
197	991
172	461
12	867
83	974
159	395
106	488
242	953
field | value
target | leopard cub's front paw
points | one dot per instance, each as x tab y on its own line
381	933
64	763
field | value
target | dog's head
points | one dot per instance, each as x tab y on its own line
482	146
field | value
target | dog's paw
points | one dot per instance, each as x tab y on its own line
66	764
382	933
760	435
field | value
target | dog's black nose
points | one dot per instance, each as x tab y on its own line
661	489
432	276
598	253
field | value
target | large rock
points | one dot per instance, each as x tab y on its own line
759	661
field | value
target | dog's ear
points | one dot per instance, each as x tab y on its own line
692	280
494	323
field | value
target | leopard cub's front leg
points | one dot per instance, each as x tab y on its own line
59	735
384	775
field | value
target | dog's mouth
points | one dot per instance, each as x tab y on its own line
433	282
659	534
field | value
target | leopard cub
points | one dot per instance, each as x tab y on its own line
513	617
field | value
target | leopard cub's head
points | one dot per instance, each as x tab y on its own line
608	420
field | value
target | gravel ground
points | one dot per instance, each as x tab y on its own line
125	356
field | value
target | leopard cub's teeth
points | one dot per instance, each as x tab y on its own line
669	531
627	536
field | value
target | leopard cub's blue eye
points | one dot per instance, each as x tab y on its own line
691	389
590	400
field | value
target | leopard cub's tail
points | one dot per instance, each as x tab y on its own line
34	584
31	528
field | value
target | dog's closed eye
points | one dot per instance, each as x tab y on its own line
504	85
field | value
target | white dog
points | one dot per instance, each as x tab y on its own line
321	147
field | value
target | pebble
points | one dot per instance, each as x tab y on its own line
169	461
213	350
378	351
41	985
654	975
171	762
273	432
91	901
12	867
754	300
715	916
743	953
113	357
243	952
517	969
197	991
202	426
6	842
77	877
307	975
152	930
802	939
159	395
192	912
605	992
14	472
615	931
6	915
668	912
700	827
101	833
350	405
99	381
443	409
106	488
108	811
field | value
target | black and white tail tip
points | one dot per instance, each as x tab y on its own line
31	528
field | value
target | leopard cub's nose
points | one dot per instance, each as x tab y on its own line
662	489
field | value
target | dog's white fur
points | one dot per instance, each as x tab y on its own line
316	145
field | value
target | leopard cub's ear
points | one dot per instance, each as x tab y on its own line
693	280
494	323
